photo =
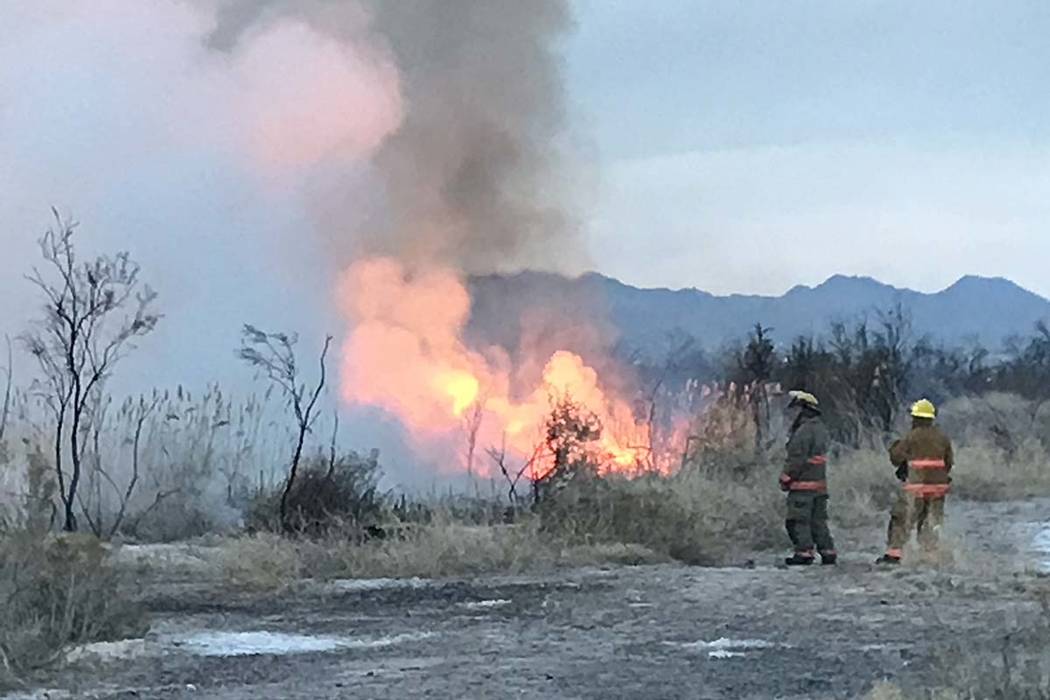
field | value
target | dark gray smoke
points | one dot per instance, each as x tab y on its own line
473	176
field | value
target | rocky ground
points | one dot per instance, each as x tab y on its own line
668	631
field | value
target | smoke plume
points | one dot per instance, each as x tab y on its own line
471	178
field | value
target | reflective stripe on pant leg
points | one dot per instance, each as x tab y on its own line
900	523
929	528
799	521
821	531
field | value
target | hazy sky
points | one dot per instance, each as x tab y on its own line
750	146
731	146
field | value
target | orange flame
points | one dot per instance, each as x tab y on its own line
405	353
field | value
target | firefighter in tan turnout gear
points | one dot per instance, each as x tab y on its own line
805	480
923	459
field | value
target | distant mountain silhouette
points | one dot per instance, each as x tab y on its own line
987	310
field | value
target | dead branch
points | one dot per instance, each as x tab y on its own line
144	411
5	412
332	445
472	423
499	457
273	354
93	311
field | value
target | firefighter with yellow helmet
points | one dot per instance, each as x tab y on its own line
923	459
804	478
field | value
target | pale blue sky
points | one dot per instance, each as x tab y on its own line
750	146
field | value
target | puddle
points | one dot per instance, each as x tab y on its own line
1041	547
485	604
724	648
108	651
379	584
281	644
160	555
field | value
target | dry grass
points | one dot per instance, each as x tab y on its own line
1016	665
984	472
439	549
1003	446
697	516
260	562
54	592
862	487
712	513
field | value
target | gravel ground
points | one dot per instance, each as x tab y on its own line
752	631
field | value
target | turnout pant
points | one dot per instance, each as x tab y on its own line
911	511
807	523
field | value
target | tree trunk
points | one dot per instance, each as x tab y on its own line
291	477
74	448
66	495
74	479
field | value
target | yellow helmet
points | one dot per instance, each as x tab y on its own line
803	397
923	408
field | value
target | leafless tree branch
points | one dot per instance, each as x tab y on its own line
92	313
273	355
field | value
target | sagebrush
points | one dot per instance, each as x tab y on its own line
56	591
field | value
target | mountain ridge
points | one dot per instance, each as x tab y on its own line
973	308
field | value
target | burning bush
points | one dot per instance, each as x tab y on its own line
717	503
328	493
57	591
572	432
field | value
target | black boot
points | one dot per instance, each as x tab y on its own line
798	560
888	560
829	559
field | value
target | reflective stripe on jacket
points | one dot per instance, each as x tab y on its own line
805	468
928	454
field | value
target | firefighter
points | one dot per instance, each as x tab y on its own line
923	459
805	480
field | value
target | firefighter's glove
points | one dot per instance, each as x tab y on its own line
785	482
902	472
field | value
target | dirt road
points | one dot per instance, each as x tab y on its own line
648	632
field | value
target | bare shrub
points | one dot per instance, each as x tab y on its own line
273	354
93	313
330	493
57	591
